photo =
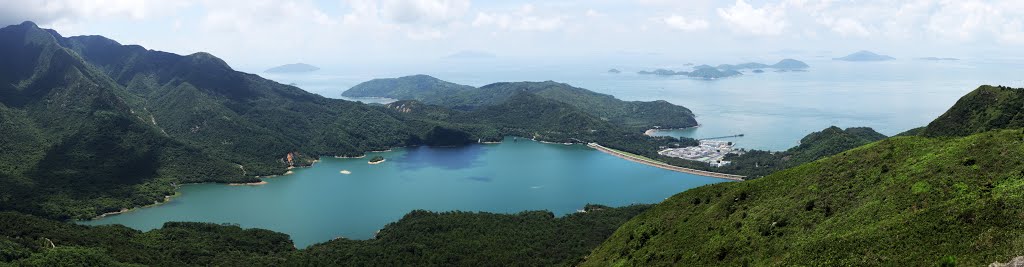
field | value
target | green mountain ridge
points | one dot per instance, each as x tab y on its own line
984	109
636	115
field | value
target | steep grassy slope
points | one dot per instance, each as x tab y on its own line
636	115
985	108
901	201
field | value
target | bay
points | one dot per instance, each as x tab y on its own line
319	203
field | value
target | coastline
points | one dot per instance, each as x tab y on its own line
244	184
127	210
377	162
649	132
662	165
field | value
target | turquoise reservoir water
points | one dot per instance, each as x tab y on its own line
320	203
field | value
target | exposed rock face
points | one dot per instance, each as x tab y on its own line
1015	262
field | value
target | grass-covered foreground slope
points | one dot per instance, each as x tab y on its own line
420	238
636	115
900	201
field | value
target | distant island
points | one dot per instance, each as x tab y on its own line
864	55
376	160
293	68
787	63
938	58
616	71
470	54
726	70
708	72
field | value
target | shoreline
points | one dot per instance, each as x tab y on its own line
248	184
649	132
377	162
666	166
127	210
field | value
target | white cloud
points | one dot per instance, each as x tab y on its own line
846	27
423	11
681	23
69	11
262	16
742	17
525	19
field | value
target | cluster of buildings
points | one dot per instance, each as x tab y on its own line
709	151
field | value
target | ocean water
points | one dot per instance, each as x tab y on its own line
320	203
772	110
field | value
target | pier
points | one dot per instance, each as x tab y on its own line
721	137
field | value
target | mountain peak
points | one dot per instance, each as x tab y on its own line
28	23
208	59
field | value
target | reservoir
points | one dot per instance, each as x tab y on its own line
320	203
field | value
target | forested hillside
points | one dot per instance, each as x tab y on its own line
419	238
92	126
634	115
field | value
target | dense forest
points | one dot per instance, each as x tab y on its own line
908	200
632	115
420	238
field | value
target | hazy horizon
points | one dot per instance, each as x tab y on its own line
254	35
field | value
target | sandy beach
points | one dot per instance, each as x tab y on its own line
253	183
649	132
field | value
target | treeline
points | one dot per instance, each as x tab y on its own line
535	238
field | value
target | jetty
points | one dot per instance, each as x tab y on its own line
654	163
721	137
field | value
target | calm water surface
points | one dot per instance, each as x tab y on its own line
320	203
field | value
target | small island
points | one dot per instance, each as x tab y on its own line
293	68
938	58
376	160
864	55
615	71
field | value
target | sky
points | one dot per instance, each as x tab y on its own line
264	33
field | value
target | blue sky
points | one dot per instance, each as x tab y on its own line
265	33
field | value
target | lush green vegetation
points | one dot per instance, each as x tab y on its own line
420	238
92	126
376	159
905	200
415	87
984	109
634	115
900	201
